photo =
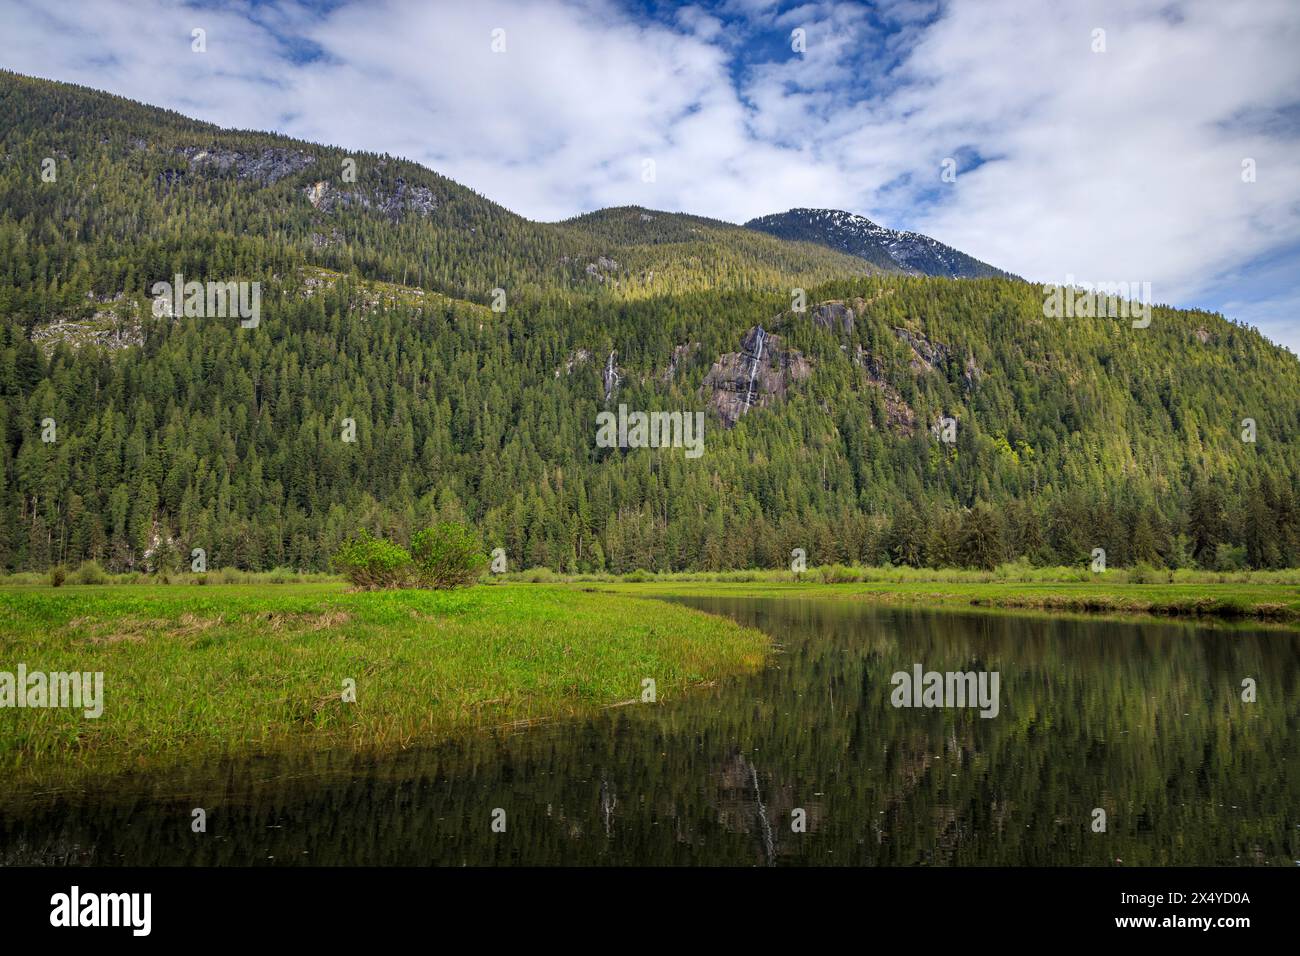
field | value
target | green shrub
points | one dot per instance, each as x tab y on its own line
1144	573
58	575
540	576
447	556
371	563
837	574
89	572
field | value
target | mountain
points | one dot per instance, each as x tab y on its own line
395	221
424	354
640	251
888	249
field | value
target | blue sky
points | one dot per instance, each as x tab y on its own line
1109	165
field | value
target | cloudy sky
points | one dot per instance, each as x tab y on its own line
1101	140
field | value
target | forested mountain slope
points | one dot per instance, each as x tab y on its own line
174	433
141	191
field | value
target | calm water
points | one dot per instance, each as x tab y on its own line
1142	720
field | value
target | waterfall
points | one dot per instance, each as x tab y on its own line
753	368
611	376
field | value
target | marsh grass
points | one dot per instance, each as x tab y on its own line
250	667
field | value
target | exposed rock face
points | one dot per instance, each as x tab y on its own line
407	197
115	328
576	358
732	392
364	295
758	375
597	269
323	240
316	193
404	197
268	166
680	354
925	354
834	316
899	415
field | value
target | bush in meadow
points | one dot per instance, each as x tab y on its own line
447	556
371	563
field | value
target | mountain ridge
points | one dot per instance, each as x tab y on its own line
909	252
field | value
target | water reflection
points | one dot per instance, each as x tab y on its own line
1143	720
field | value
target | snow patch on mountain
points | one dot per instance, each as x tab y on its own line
908	252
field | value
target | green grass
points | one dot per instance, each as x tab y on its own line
246	667
1258	601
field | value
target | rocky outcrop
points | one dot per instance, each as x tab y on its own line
576	358
758	375
925	354
764	369
316	193
365	295
114	328
598	269
899	415
393	203
680	354
324	240
603	264
834	316
267	166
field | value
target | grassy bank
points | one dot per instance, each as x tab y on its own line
249	667
1231	601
